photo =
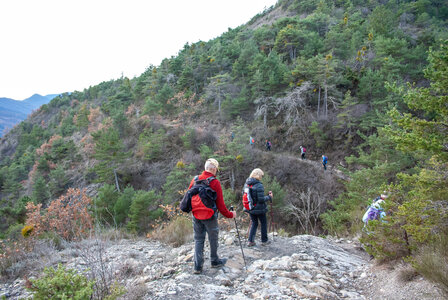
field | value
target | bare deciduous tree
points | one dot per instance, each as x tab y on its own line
264	104
93	253
294	107
219	88
306	207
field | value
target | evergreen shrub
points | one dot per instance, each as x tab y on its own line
61	283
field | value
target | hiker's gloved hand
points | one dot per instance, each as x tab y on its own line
234	215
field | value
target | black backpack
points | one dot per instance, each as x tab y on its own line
206	194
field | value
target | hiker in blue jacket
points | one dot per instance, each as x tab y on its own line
268	145
324	161
258	213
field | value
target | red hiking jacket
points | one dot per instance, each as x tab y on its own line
216	186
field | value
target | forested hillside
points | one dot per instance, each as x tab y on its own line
363	82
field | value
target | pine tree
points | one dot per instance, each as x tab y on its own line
139	212
104	205
123	205
110	153
58	182
430	133
40	190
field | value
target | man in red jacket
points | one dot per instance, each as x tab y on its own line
203	223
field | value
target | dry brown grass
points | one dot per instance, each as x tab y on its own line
407	274
20	257
432	262
176	233
135	293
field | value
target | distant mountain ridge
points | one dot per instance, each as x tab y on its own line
14	111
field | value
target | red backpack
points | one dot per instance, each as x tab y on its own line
248	202
203	199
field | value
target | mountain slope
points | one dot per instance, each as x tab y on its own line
328	75
309	73
13	112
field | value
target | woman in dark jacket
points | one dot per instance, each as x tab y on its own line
258	213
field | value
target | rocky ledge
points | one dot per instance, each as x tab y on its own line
299	267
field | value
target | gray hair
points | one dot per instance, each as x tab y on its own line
257	174
209	166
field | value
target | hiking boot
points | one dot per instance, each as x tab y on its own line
219	263
251	244
197	271
265	243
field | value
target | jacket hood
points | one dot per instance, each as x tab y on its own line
251	181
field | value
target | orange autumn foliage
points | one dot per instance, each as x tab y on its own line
68	216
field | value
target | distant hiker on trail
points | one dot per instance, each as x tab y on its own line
258	209
302	151
251	141
205	219
324	161
232	136
268	145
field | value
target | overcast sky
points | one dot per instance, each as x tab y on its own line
55	46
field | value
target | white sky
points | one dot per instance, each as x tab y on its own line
55	46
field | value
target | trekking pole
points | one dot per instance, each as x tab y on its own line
272	222
239	239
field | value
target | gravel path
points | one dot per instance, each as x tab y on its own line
395	281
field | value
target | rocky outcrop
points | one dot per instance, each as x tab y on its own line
300	267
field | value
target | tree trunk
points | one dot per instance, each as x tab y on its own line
325	99
219	102
265	118
318	103
116	180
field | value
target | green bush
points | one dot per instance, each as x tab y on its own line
271	184
104	204
205	151
140	211
61	283
414	213
177	182
123	204
152	144
189	138
231	197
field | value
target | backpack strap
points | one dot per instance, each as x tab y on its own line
250	192
207	180
210	179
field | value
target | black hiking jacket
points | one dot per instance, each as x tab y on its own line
257	193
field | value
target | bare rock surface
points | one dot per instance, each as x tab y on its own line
299	267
